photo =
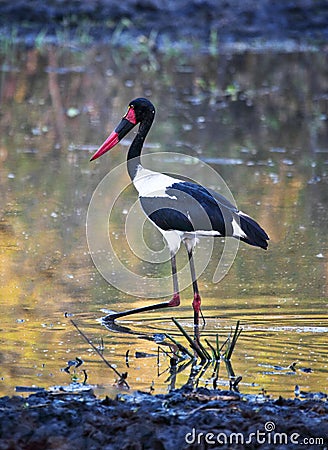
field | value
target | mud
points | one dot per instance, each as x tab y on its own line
182	419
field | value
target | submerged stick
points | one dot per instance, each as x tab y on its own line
234	341
203	350
190	340
216	356
181	347
122	376
217	345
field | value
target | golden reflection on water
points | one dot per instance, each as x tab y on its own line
260	120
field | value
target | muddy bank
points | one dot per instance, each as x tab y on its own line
181	419
216	20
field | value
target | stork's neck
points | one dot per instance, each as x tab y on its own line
133	160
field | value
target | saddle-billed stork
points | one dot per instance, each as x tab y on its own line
181	210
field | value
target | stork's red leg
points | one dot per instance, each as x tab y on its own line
175	300
196	303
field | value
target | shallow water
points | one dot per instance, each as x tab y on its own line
259	120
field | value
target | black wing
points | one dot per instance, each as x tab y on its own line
191	207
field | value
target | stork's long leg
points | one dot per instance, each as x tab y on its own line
197	300
175	301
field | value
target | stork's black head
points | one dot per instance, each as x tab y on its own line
142	108
140	111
